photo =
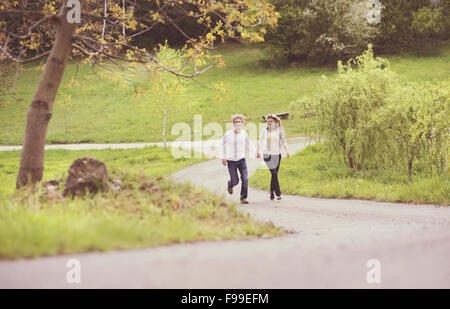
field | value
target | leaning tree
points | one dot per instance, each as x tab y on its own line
99	31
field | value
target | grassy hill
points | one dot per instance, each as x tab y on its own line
101	111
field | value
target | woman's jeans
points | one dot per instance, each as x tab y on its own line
273	163
240	165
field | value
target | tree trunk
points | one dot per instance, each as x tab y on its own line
410	163
41	108
413	154
350	159
164	128
123	25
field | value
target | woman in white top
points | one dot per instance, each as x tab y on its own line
270	143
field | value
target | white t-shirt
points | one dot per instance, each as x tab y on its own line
235	145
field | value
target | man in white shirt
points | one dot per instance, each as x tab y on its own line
235	145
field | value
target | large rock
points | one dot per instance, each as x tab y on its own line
86	175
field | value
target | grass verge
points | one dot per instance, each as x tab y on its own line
312	172
151	161
148	211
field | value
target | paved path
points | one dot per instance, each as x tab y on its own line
332	242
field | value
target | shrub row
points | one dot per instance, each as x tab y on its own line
376	121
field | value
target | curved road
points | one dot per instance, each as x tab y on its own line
330	245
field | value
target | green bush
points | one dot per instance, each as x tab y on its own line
319	30
416	120
428	22
375	121
408	22
344	107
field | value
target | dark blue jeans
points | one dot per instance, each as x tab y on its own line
233	167
273	163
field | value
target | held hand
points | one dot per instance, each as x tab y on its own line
288	154
224	162
258	155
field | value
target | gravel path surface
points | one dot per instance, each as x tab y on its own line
330	244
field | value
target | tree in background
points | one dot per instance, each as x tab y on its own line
150	82
408	22
163	32
428	23
320	29
98	31
165	87
327	30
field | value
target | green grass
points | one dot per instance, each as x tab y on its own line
103	112
151	161
33	225
312	172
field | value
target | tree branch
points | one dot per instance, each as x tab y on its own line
36	24
4	51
